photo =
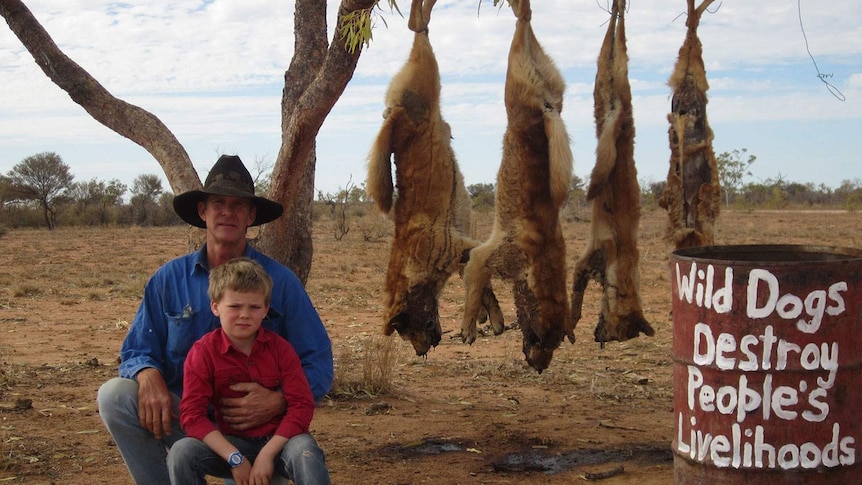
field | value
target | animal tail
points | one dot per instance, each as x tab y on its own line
606	155
560	156
379	181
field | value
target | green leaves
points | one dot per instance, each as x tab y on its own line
355	29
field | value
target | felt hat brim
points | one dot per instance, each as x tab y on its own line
186	206
227	177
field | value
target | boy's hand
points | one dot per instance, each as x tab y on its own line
261	472
242	473
258	406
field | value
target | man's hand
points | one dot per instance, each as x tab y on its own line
155	408
258	406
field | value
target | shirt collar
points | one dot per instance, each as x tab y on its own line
224	344
201	262
201	259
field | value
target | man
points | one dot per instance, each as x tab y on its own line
140	408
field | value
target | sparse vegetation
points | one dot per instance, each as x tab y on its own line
26	290
100	203
375	228
365	371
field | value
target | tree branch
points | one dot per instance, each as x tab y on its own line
130	121
317	101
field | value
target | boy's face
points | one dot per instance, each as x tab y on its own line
240	313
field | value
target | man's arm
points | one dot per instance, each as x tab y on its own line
144	344
306	333
300	324
141	353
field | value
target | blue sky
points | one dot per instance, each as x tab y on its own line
212	71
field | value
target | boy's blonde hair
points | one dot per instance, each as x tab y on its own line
240	274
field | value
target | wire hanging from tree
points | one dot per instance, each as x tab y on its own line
822	76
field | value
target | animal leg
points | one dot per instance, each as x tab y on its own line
477	276
589	267
490	307
621	317
491	310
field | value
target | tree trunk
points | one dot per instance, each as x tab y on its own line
130	121
46	211
312	84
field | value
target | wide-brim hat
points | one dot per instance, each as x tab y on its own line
227	177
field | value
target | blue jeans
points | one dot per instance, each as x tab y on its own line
146	457
301	460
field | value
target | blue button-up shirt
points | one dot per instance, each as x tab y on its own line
175	312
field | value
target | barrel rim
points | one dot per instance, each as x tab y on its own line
732	252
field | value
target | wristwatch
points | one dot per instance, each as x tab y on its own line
235	459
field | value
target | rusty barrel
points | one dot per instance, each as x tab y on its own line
767	347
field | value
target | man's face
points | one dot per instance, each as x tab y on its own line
227	218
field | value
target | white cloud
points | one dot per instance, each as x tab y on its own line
213	72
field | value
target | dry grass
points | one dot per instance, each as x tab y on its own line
508	366
365	370
26	290
84	273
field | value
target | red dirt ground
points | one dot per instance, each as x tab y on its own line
466	414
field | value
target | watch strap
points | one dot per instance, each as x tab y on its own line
235	459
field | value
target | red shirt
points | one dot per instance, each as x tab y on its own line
213	365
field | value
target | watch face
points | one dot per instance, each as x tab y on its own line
234	460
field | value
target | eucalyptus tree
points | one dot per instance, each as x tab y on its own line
316	77
45	179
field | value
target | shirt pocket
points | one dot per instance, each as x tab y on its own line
226	377
269	380
256	370
182	331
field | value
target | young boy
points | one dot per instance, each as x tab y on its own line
240	351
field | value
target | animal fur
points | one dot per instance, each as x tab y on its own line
526	244
432	208
611	255
692	196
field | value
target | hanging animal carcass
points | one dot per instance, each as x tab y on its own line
611	256
526	244
432	207
692	196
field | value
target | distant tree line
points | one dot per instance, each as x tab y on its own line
773	193
41	191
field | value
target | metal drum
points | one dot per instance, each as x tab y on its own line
767	346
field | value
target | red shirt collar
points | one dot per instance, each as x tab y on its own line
224	344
